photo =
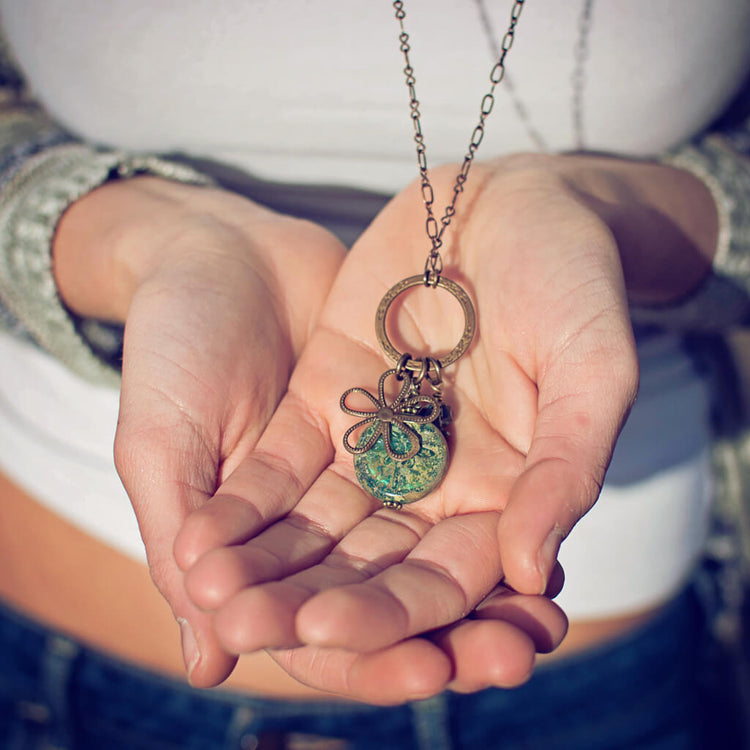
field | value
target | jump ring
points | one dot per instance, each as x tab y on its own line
423	370
401	366
437	378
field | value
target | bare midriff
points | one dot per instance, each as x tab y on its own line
55	573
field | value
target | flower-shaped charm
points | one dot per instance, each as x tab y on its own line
407	407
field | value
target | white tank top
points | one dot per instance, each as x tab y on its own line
313	92
307	91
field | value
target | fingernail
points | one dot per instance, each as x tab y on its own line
548	555
190	652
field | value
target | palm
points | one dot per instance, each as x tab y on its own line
209	347
538	402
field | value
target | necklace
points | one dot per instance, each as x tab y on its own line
401	452
577	77
539	141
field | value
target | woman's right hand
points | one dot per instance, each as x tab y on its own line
218	296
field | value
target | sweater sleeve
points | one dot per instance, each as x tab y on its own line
43	170
721	159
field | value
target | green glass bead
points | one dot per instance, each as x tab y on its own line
397	482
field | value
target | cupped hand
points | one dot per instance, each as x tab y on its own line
291	552
495	647
218	296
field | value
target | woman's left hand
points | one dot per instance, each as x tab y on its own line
291	552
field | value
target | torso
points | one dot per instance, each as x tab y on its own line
314	91
241	88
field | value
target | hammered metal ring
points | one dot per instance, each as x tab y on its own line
470	321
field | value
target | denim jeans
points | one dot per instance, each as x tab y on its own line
641	692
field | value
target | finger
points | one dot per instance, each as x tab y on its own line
300	540
495	650
584	401
498	646
487	653
411	670
266	615
448	572
207	662
556	581
290	454
537	616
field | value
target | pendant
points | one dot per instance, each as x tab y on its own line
401	454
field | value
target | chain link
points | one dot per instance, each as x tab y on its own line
540	144
578	77
433	227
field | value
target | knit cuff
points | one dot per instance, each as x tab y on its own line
723	299
31	205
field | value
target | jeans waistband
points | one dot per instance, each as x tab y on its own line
52	680
56	693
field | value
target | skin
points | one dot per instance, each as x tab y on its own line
255	531
209	286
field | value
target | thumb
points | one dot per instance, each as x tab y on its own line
168	470
574	436
206	662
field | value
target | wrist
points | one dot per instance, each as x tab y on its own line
113	238
664	221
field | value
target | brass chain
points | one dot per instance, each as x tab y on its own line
578	77
434	263
536	138
581	54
